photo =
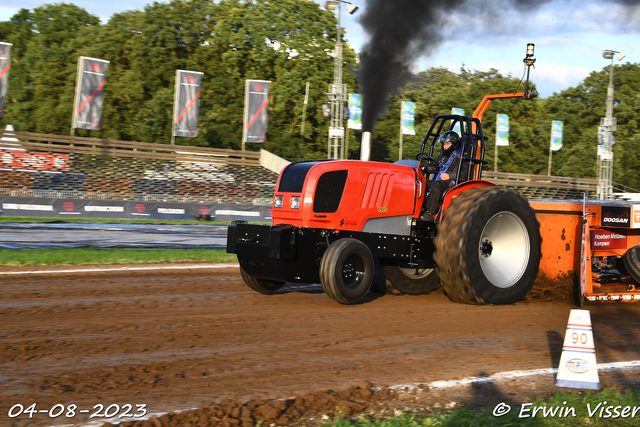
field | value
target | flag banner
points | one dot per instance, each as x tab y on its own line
408	117
459	112
186	103
256	102
355	111
5	64
92	76
502	130
557	128
603	137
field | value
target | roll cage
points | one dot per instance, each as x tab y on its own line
473	143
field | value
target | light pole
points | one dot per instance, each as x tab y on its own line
337	91
608	125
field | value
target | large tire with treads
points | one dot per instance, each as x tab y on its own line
259	285
346	270
410	281
632	262
488	247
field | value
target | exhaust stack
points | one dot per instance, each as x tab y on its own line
365	147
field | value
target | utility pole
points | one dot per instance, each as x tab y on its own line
337	91
304	114
609	126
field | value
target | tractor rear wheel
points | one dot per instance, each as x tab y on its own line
410	281
347	270
632	262
488	247
259	285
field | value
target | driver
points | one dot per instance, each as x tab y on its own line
444	172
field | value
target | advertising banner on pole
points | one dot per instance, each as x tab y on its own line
255	110
355	111
502	130
92	76
408	117
459	112
557	128
5	64
186	103
603	139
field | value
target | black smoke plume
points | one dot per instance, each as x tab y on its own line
402	30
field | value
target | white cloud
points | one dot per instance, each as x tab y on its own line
563	74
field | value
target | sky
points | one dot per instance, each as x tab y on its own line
569	35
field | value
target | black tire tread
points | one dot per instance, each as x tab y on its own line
329	263
452	239
398	284
265	287
631	261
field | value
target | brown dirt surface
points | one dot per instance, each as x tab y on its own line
199	348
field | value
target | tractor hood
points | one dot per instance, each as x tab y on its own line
346	194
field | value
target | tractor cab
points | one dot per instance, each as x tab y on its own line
473	145
471	151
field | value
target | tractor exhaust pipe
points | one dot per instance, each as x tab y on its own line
365	146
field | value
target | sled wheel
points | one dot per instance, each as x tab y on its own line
411	281
632	262
260	285
488	247
346	270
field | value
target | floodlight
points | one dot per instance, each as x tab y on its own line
620	56
530	47
330	5
352	8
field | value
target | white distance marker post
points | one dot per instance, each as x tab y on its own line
578	368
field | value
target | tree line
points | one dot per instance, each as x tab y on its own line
289	42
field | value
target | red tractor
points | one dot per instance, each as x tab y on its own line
355	226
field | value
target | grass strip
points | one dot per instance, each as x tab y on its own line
608	407
76	256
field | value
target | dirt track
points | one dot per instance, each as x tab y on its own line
187	338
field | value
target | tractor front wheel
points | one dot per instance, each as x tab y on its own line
259	285
488	247
347	270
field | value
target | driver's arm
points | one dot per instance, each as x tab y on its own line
431	167
451	170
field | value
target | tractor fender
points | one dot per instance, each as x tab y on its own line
458	189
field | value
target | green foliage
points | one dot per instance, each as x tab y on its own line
79	256
437	90
288	42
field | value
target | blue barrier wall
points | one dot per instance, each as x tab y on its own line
129	209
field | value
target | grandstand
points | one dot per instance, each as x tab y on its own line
54	166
